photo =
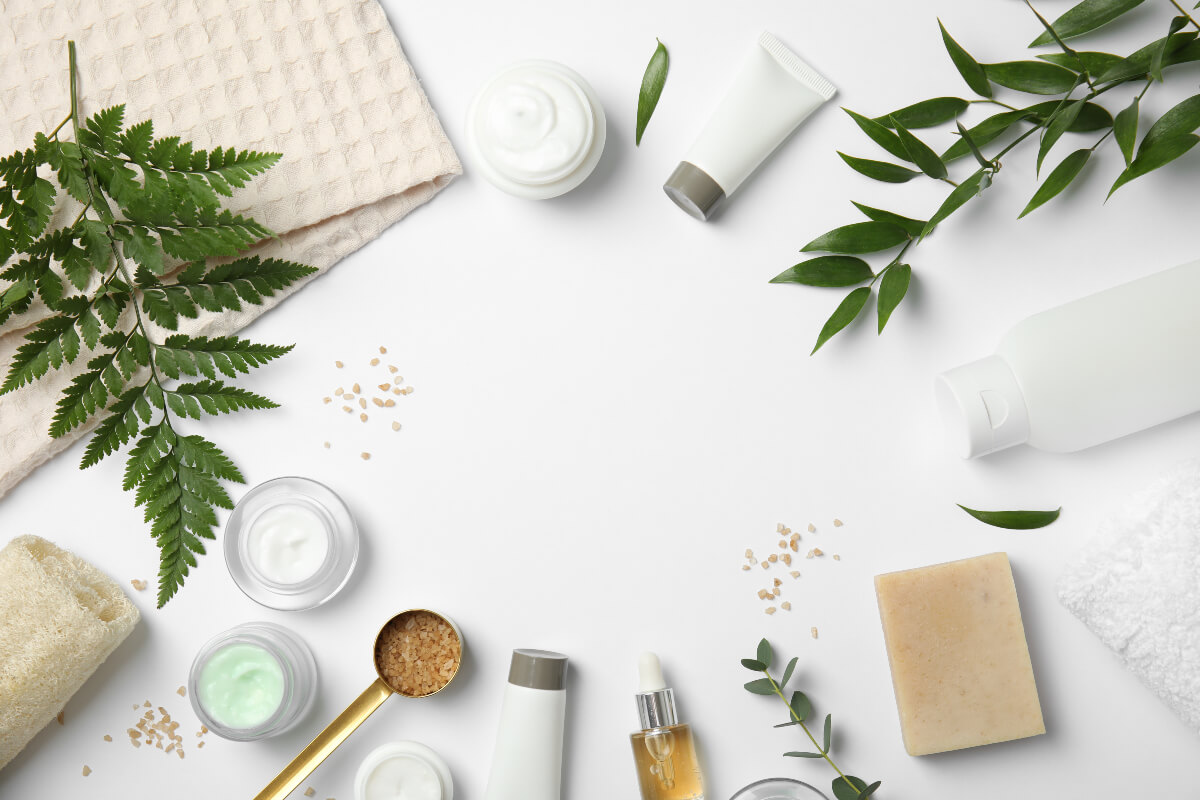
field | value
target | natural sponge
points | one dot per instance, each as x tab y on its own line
60	617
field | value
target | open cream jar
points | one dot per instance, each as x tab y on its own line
536	129
403	771
291	544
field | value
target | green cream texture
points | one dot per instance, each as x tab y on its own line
241	685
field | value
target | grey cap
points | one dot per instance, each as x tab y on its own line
694	190
538	669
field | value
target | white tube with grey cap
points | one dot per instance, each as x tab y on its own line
527	764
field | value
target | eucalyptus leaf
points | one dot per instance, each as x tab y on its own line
880	170
858	237
1014	520
847	787
827	271
1179	49
786	724
1162	152
754	665
1156	60
801	705
926	114
801	754
843	315
967	66
760	686
1086	16
1093	62
1184	117
1058	125
828	736
1125	128
892	289
870	790
920	153
787	673
1034	77
913	226
880	135
969	188
1058	179
652	85
764	653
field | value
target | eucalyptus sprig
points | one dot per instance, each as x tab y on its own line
1073	78
845	787
106	273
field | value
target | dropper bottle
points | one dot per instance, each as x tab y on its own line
663	750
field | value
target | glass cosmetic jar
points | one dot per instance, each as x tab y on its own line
779	789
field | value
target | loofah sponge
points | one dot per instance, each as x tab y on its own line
60	617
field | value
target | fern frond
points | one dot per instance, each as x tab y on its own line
126	416
102	130
213	397
225	286
52	342
201	356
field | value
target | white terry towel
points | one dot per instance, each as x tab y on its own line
323	82
1137	587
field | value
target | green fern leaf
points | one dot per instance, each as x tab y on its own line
102	130
213	397
52	342
155	442
88	392
162	150
248	279
198	452
140	247
16	299
122	423
201	356
135	142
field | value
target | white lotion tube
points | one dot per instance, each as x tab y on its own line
527	764
772	94
1088	372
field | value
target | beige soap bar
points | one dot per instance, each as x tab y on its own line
960	663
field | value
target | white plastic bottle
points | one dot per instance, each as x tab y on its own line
1084	373
527	764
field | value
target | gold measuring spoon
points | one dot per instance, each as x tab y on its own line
394	677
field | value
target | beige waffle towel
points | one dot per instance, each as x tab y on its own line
60	617
322	81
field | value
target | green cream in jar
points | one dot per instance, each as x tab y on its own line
241	685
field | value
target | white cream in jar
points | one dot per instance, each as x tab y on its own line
403	771
288	543
536	129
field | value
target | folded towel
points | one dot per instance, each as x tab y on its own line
1137	587
60	617
322	81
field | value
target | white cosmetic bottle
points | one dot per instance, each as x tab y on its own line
1084	373
527	764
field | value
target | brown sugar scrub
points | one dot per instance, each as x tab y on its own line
417	653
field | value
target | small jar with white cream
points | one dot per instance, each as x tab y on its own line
536	129
291	544
252	682
403	771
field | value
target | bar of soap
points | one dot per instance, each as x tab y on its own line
960	663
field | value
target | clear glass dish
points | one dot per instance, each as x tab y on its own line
340	558
779	789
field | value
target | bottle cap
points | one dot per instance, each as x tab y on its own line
982	407
538	669
694	190
655	702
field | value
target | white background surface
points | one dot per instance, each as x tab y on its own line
612	404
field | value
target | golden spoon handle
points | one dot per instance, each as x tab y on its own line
326	742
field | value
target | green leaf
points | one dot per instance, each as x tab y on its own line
991	128
847	787
121	424
1014	520
969	188
1184	117
801	705
967	66
213	397
925	114
1180	48
787	673
973	147
1084	17
912	226
1034	77
1059	124
879	134
828	736
760	686
1058	179
1125	128
102	130
751	664
892	289
225	286
142	248
1160	153
827	271
764	652
1093	62
858	237
199	355
1092	117
920	153
870	790
1156	60
843	315
51	343
880	170
652	86
802	754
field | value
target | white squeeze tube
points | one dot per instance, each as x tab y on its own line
772	94
1084	373
527	764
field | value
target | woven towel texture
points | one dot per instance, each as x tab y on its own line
1137	587
323	82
